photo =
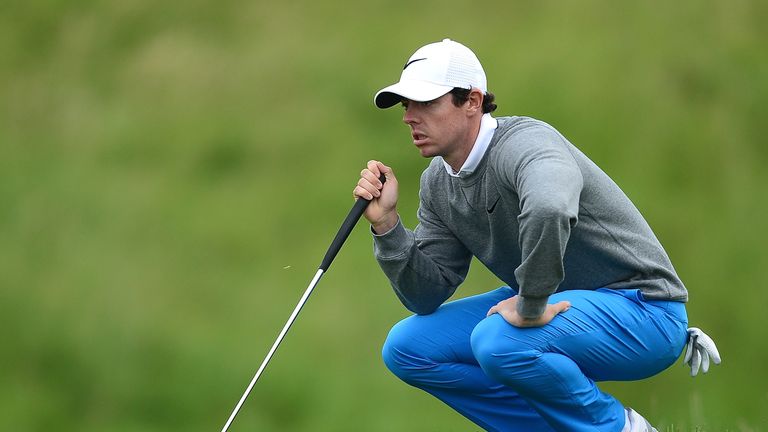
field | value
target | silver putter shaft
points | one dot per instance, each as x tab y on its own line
341	237
274	347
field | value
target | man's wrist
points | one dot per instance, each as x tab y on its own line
531	307
385	225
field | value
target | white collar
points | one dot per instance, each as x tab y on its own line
488	125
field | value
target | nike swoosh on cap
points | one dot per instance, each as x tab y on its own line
413	61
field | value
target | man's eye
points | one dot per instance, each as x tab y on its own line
426	104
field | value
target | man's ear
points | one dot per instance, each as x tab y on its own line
475	101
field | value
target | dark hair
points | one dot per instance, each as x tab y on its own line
461	96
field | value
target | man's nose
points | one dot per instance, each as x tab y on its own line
409	116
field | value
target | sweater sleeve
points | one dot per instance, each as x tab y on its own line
424	266
548	181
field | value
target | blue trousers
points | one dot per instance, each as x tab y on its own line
505	378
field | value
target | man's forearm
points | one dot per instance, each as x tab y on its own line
421	283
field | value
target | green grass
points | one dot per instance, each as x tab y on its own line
171	174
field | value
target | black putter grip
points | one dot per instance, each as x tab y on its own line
346	228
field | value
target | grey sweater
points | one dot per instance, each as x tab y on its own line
539	214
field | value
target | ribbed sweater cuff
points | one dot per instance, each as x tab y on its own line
392	243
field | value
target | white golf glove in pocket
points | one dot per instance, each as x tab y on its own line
700	351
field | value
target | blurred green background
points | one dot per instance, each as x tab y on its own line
171	174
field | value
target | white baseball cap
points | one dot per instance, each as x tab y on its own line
432	71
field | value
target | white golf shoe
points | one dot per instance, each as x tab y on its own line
636	423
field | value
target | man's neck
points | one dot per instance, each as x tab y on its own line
457	161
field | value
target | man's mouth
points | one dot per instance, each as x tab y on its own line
418	138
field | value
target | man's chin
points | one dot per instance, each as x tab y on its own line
426	152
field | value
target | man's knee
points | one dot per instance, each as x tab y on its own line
501	358
401	354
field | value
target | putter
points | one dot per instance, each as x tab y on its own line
341	236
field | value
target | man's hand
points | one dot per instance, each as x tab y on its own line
382	211
508	310
700	349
